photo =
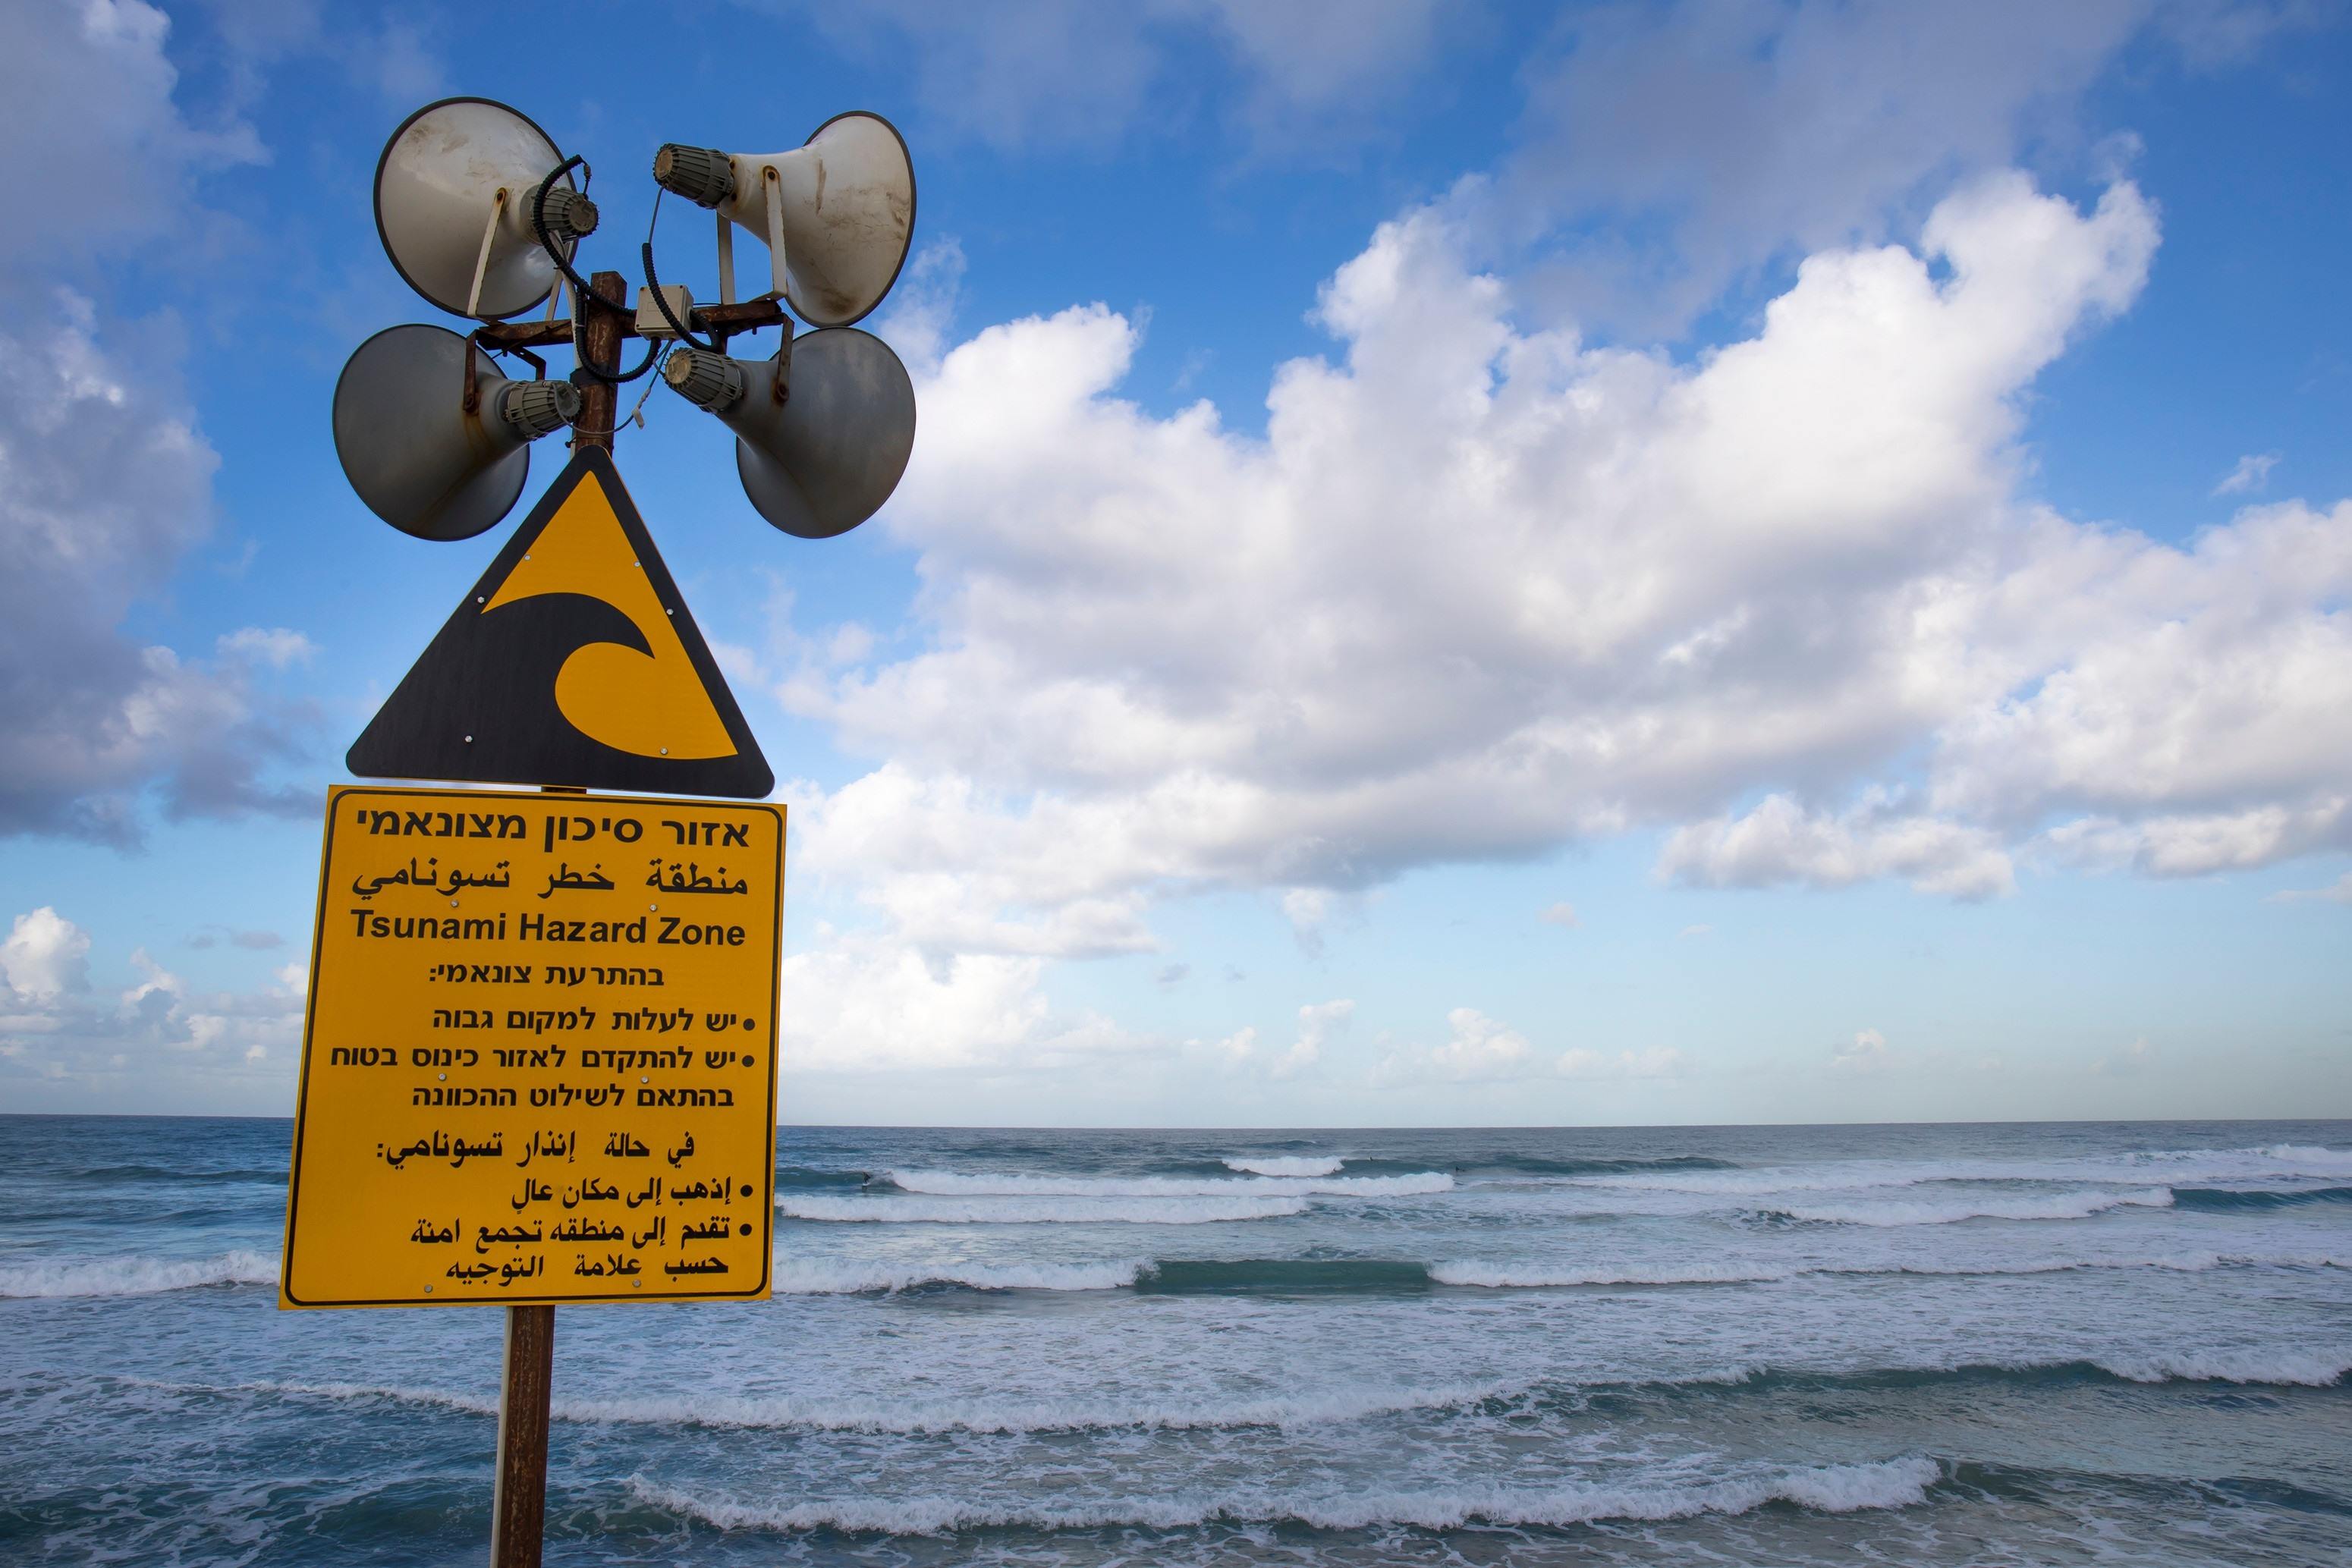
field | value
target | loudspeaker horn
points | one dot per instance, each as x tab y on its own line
419	459
453	192
835	215
822	457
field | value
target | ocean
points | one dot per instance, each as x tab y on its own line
2044	1343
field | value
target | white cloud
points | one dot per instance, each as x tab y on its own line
2129	1061
1318	1021
1237	1047
100	156
2201	844
1779	842
273	645
1866	1052
1562	916
1481	1049
864	1002
104	484
156	1034
1480	591
2252	474
45	956
2338	892
105	480
955	871
1478	1050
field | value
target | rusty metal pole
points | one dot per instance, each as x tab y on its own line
519	1503
598	336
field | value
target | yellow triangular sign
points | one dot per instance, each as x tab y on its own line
572	662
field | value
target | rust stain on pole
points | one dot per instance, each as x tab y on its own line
602	323
518	1505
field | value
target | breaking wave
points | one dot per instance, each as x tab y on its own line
1165	1276
2171	1166
803	1279
134	1276
1287	1165
911	1418
2276	1367
1890	1212
1003	1210
962	1184
805	1178
1828	1488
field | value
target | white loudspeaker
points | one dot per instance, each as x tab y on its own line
417	456
835	215
822	457
454	196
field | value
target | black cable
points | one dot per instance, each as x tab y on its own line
661	303
661	300
580	289
539	225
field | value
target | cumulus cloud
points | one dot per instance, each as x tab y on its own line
58	1028
45	956
1317	1022
868	1001
1561	914
1779	842
1480	591
1866	1052
104	483
105	480
87	110
1481	1048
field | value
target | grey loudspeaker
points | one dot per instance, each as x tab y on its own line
843	206
453	197
408	444
824	458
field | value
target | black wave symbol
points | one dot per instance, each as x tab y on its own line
480	705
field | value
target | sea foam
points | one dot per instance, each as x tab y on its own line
2050	1205
900	1417
798	1277
1287	1165
1005	1210
983	1184
1827	1488
134	1276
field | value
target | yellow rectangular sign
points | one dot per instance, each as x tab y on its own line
540	1059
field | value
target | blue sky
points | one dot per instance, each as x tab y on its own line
1466	563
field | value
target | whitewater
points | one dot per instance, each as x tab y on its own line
1933	1345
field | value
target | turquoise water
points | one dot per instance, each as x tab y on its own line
1949	1345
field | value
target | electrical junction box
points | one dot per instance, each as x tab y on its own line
649	317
